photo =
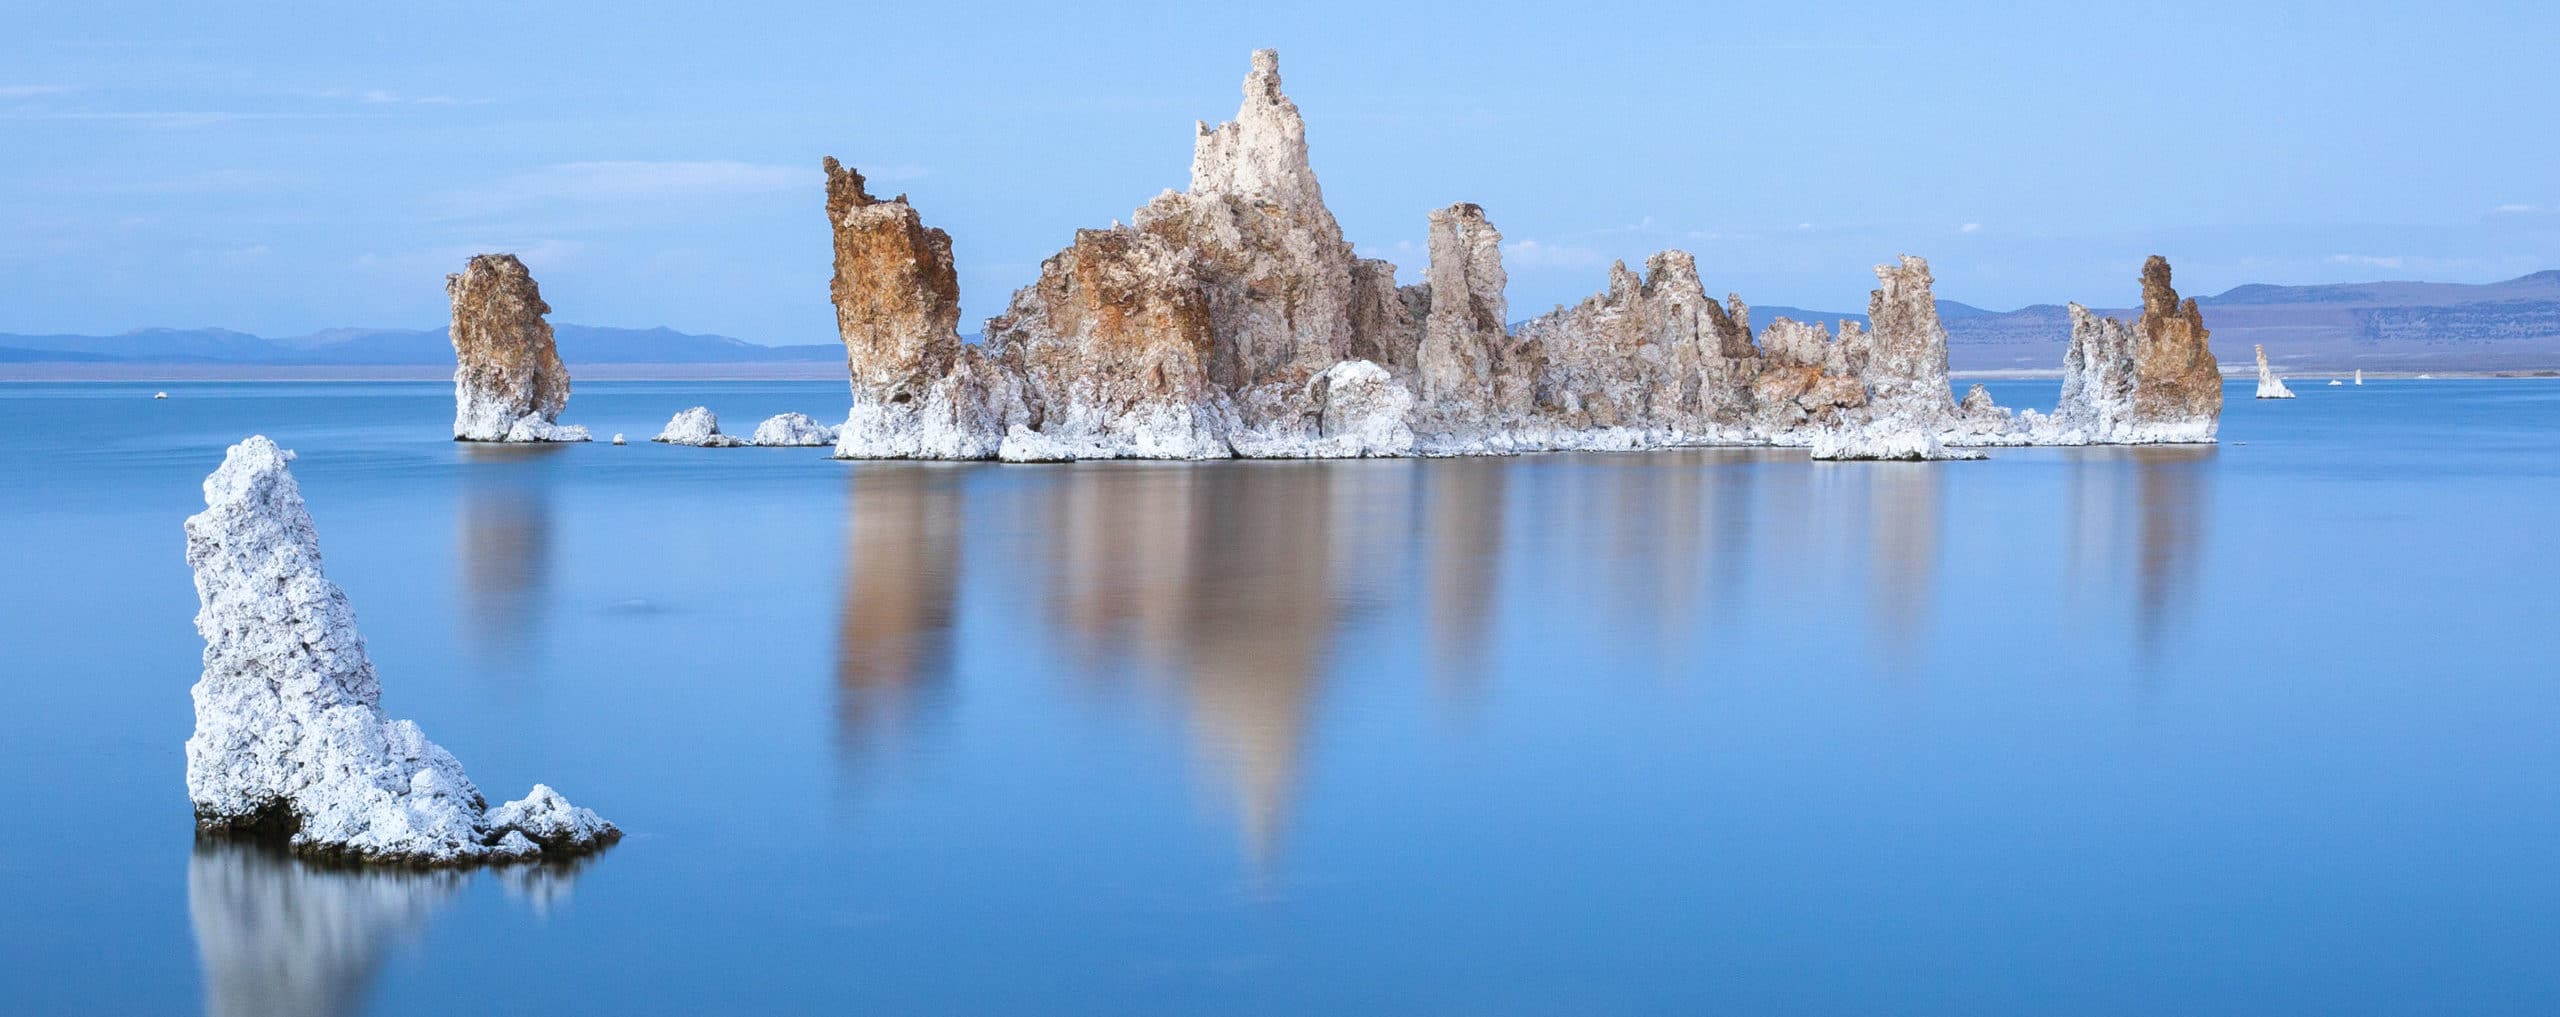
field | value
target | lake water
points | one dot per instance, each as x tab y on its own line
2267	728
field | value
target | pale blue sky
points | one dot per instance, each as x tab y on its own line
280	169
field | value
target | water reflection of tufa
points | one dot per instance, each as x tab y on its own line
503	543
894	614
1229	586
2138	514
1907	508
281	937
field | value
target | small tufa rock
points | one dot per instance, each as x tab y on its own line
508	381
793	430
698	427
617	437
2270	386
290	737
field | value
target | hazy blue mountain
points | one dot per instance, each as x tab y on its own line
377	346
2510	325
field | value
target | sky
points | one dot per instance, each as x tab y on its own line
283	168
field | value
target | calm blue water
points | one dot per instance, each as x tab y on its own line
2261	729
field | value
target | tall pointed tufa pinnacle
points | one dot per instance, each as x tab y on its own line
290	736
2151	382
2270	386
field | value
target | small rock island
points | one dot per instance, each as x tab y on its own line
508	381
1233	319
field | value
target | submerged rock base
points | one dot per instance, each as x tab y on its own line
290	737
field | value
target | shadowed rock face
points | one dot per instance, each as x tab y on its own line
1463	338
2176	381
1652	353
508	381
1805	378
1386	319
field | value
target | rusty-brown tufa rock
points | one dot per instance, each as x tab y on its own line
508	381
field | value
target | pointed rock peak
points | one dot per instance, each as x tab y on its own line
1911	269
845	190
1672	268
2158	297
1623	283
1262	153
1263	82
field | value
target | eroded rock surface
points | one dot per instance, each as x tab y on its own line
508	381
1233	319
2177	383
290	736
1910	412
1460	362
919	391
2153	381
1113	347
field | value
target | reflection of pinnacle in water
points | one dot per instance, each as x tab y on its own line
1261	622
893	628
2137	527
1464	510
1121	563
2171	480
1906	506
1220	577
281	938
504	546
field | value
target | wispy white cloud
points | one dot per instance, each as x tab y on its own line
2391	261
629	182
2523	209
176	119
32	91
387	97
1528	253
1971	227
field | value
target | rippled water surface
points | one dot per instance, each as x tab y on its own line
2268	728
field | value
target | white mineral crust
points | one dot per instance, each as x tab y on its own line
2270	386
793	430
290	733
698	427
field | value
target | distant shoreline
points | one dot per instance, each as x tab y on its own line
92	372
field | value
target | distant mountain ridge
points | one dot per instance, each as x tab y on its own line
389	346
2512	325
